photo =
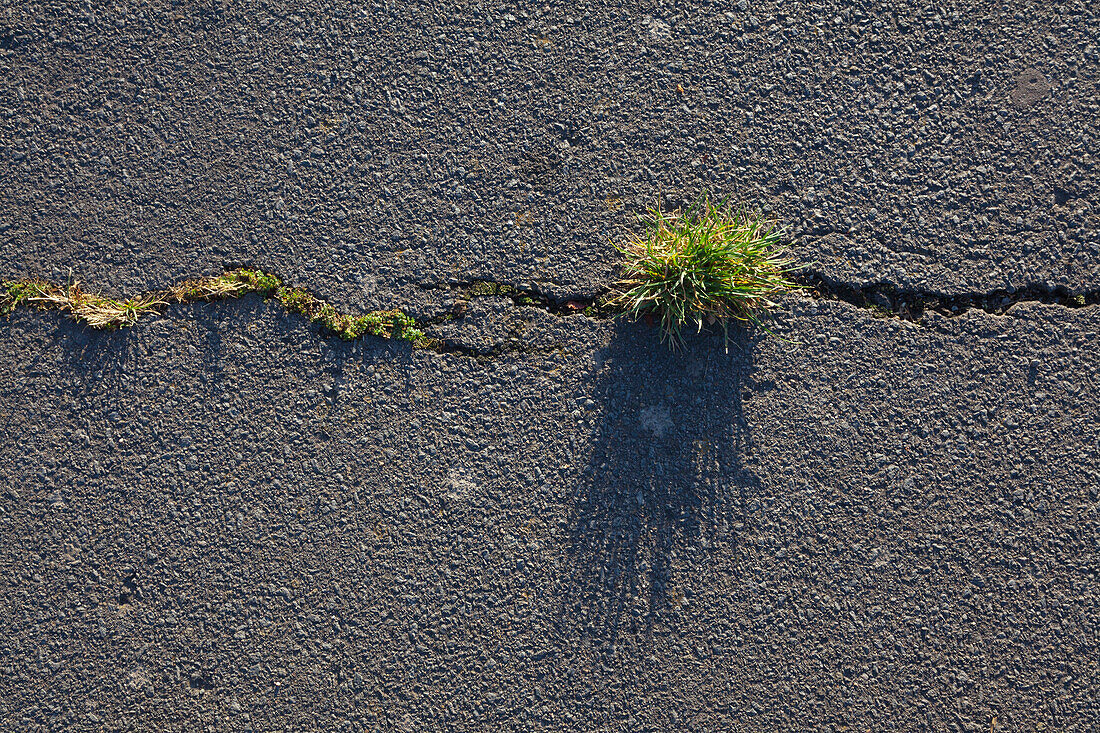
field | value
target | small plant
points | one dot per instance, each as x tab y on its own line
484	288
106	313
15	294
709	264
96	311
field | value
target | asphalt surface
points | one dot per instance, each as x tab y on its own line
220	519
361	149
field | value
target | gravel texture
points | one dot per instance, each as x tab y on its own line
358	148
220	520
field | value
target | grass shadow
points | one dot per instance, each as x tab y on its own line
102	362
665	480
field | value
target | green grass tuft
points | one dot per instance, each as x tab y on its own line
709	264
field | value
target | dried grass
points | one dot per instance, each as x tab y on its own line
109	314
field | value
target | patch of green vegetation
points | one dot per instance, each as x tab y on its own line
484	288
709	264
108	313
14	293
393	324
296	300
385	324
255	281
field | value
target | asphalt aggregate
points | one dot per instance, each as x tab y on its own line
360	149
221	519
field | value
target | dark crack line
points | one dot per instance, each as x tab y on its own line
883	299
464	291
888	300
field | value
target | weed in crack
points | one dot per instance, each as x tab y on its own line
108	313
96	311
708	264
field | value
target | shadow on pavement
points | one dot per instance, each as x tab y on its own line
665	477
101	363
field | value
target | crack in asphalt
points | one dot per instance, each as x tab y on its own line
883	299
590	305
888	300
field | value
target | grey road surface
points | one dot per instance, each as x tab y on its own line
222	520
219	519
362	148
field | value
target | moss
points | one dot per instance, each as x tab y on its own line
485	288
16	293
109	314
878	311
424	342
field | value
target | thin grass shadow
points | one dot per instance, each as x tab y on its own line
101	362
665	480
